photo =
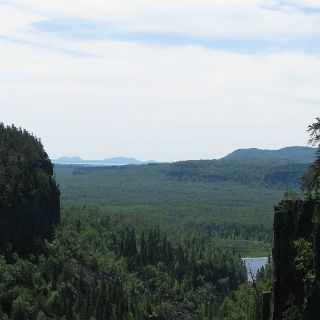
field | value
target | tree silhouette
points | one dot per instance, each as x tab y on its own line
314	131
311	180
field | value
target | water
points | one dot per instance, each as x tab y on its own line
254	264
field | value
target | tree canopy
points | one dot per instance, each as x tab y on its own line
312	177
29	196
314	131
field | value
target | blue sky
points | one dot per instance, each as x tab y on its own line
98	30
165	80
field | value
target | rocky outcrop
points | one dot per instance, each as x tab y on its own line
296	258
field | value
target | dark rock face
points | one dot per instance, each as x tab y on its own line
266	297
295	295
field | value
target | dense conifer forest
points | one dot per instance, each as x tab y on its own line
157	241
230	203
29	197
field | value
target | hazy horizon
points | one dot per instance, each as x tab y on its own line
146	160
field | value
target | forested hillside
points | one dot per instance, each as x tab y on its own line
296	256
98	268
230	203
96	265
290	154
156	241
29	197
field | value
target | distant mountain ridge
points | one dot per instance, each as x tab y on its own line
294	154
114	161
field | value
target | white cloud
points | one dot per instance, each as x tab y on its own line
306	3
105	98
157	102
232	18
15	22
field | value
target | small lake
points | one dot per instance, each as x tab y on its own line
254	264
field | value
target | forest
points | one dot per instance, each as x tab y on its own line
155	241
230	203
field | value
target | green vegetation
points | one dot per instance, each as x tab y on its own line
29	197
245	303
304	258
230	203
299	154
156	241
312	177
97	267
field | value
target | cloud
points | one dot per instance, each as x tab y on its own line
99	30
218	18
167	80
166	102
233	25
309	4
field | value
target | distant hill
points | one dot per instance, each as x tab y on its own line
115	161
300	155
290	154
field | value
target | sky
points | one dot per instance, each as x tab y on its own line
163	80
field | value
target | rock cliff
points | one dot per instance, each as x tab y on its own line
296	258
